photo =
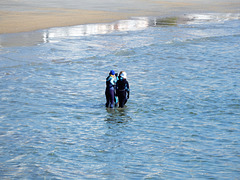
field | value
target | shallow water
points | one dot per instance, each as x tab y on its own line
181	121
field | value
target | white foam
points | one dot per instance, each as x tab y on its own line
210	17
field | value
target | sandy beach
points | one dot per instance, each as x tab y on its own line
25	15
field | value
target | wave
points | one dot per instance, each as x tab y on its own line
215	38
136	24
125	52
210	17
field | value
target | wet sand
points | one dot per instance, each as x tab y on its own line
24	16
28	21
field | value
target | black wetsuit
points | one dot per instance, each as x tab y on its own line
123	91
110	91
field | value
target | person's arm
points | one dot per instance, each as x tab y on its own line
128	90
113	81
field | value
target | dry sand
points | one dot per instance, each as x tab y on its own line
25	15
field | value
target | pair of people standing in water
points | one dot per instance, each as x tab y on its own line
117	86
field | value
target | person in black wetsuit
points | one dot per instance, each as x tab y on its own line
123	91
110	89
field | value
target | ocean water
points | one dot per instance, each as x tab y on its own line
182	120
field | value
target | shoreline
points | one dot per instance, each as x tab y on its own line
17	22
22	19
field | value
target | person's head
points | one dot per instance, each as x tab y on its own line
123	74
112	73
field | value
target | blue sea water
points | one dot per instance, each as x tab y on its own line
182	120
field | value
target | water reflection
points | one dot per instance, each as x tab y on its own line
52	34
137	23
118	115
93	29
21	39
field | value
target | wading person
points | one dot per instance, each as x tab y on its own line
123	90
110	89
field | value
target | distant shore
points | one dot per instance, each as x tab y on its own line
29	17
